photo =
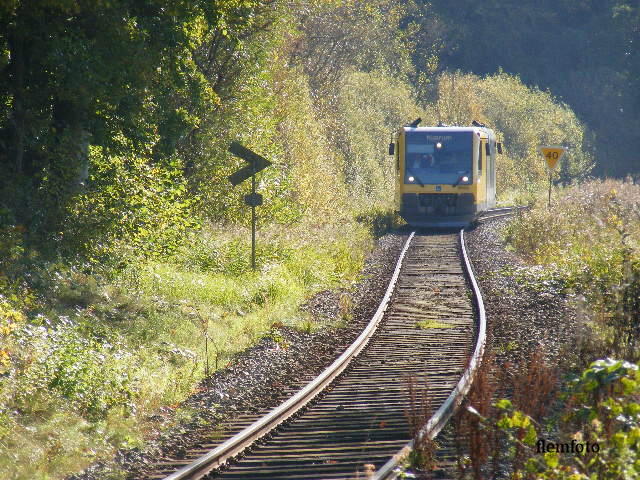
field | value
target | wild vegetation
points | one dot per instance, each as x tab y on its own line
587	242
587	429
584	52
124	261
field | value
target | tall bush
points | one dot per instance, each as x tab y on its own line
371	107
130	206
524	119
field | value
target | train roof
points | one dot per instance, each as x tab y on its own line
449	129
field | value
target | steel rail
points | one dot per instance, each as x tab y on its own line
436	423
501	209
499	212
496	215
242	440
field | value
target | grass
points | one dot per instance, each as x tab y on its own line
507	347
589	243
87	357
425	324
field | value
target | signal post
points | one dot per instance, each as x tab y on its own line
552	155
256	163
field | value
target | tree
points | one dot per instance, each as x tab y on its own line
132	77
583	52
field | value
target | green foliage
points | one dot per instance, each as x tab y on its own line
130	205
336	33
11	319
91	373
371	107
309	155
601	409
516	423
523	117
528	118
590	238
145	82
11	243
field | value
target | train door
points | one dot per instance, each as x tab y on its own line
481	180
399	169
491	170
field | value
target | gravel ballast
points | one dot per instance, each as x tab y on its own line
263	376
525	311
522	316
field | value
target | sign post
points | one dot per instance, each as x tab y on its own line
552	155
256	163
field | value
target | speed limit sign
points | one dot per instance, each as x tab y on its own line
552	155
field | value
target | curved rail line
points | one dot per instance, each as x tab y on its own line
499	212
249	435
360	420
439	419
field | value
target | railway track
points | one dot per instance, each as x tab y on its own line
499	212
351	421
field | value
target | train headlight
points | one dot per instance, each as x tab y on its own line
438	145
465	179
411	179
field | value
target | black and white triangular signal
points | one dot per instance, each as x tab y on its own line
255	161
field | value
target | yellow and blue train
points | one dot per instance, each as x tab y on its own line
445	176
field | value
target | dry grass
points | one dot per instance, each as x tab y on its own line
475	442
591	238
533	385
418	413
481	447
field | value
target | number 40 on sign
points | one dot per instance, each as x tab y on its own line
552	155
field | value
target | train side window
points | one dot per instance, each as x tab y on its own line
491	149
480	158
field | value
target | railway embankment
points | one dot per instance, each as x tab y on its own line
527	309
561	291
263	376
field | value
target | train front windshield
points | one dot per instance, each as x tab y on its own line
435	158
